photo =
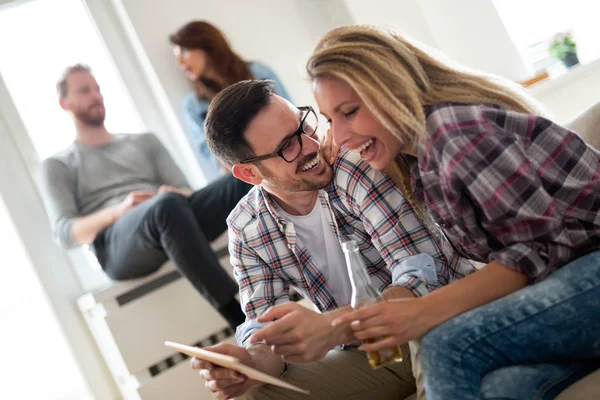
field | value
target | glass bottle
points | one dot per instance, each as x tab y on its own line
364	294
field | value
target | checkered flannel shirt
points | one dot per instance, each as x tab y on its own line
511	187
364	205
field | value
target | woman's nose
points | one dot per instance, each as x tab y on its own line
341	134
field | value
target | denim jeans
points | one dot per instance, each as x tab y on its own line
528	345
181	229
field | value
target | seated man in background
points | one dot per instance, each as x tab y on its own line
124	195
286	233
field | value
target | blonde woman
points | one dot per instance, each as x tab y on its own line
507	187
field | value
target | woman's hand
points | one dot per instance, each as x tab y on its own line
329	150
390	323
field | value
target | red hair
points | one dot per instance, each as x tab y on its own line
200	35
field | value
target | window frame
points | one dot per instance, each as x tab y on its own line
54	267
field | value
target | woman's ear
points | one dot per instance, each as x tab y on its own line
248	173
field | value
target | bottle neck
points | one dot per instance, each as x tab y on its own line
363	291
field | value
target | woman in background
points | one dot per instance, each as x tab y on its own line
507	187
208	61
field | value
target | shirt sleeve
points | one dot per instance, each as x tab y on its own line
167	172
57	190
413	271
495	195
392	224
259	287
194	129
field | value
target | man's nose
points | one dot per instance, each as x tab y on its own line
309	144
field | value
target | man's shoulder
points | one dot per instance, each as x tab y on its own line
144	137
143	141
63	158
249	211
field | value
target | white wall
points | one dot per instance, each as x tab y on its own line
280	33
472	33
569	95
468	31
403	15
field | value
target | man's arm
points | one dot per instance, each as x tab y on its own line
226	383
84	229
57	189
259	286
300	335
259	289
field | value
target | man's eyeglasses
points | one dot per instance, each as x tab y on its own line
291	148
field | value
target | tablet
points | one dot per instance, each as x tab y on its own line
233	363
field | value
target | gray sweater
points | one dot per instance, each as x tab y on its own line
83	179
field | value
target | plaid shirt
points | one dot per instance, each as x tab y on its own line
511	187
364	205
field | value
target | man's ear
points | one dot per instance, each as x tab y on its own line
248	173
63	104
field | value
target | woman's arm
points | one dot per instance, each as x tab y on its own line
398	321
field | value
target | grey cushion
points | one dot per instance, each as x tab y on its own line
587	125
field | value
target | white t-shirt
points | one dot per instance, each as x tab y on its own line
314	234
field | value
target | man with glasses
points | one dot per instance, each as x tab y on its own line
286	233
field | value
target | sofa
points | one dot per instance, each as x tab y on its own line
587	125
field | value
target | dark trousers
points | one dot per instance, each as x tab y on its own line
171	226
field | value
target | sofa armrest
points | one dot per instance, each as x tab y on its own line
587	125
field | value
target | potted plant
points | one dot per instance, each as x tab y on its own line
563	48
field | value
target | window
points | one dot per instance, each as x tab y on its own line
38	38
532	24
33	59
27	323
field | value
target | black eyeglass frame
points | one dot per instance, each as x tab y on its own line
295	135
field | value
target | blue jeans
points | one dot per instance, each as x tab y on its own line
528	345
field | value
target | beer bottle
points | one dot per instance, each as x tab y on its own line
364	294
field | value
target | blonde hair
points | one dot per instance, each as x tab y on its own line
396	79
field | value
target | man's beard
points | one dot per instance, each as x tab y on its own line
90	116
296	185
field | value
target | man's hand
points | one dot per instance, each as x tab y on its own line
222	382
298	335
185	192
132	200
